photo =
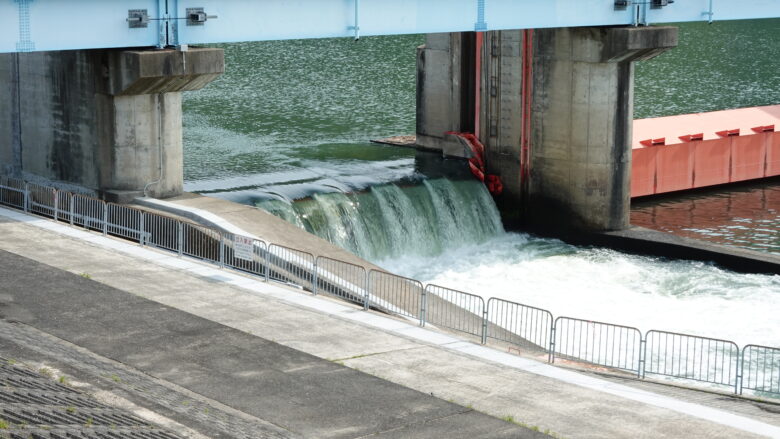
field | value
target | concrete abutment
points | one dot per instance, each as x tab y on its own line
554	109
108	121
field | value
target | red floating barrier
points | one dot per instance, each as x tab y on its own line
748	154
643	162
773	154
712	162
674	167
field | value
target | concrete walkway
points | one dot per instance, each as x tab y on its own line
569	403
293	392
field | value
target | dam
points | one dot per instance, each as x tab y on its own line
283	193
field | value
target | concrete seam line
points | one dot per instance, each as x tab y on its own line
429	337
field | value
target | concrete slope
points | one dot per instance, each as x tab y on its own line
295	391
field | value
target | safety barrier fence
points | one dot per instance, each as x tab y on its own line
397	294
661	353
341	279
456	310
692	358
761	369
519	324
598	343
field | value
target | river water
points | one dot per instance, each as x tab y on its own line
286	129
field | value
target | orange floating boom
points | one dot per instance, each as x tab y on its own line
690	151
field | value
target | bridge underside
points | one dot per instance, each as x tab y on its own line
554	109
40	25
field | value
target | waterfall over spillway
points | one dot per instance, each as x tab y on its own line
389	221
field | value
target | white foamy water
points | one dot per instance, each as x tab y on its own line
608	286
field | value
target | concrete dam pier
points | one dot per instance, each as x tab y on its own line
554	110
106	121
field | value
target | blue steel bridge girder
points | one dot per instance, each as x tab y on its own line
27	25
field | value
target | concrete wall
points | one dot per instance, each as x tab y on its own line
501	112
51	129
8	108
150	124
555	116
582	113
100	119
440	92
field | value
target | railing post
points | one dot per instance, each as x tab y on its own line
266	261
551	357
740	371
221	250
56	205
142	229
105	219
72	209
315	282
180	236
367	300
640	373
26	201
423	306
742	375
484	322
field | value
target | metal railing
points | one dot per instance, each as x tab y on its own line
42	200
291	266
87	212
681	356
761	369
518	324
198	242
603	344
124	221
691	357
455	309
160	231
397	294
341	279
13	192
244	253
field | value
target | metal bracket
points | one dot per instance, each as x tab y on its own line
137	18
197	16
658	4
622	5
